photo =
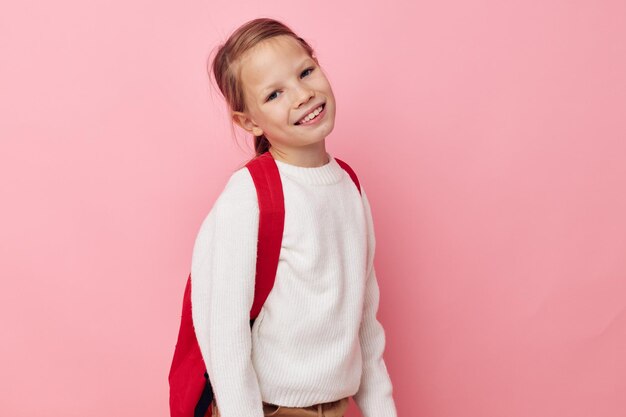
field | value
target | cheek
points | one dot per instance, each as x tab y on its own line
277	118
328	89
325	82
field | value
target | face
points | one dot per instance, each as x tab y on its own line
282	84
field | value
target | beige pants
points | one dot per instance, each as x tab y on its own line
331	409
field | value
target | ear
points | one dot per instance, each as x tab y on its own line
246	123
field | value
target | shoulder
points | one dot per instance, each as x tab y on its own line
349	171
366	203
238	192
354	178
364	195
236	202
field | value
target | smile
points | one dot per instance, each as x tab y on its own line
313	117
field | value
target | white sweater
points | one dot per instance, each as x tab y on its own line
317	338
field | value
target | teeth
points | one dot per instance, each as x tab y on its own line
311	115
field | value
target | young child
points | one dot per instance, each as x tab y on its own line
317	341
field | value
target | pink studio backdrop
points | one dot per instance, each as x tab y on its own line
490	136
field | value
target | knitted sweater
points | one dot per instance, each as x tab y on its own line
317	338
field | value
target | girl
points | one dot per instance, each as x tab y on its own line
316	341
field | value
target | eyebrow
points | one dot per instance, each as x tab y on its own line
269	87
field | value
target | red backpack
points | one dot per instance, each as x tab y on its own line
190	389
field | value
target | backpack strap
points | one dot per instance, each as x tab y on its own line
350	172
271	223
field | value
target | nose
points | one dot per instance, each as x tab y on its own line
304	94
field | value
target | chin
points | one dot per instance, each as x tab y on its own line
327	130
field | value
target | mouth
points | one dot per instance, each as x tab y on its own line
317	115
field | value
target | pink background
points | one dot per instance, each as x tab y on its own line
490	136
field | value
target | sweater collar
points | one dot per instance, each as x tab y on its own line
329	173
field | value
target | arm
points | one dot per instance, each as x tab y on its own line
223	273
374	397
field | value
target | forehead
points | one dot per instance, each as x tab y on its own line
270	60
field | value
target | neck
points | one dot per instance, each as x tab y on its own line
311	157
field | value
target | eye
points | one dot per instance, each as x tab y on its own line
269	98
311	68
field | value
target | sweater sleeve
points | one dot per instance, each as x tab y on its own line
222	292
374	397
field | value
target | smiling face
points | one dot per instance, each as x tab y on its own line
281	85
